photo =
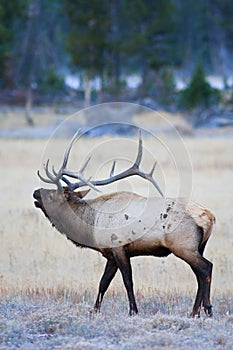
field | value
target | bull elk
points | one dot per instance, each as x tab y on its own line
123	225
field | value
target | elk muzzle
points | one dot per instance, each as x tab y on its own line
38	201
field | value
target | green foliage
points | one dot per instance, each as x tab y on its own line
10	13
86	41
107	38
148	33
198	92
52	82
166	93
111	39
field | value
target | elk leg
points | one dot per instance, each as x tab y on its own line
109	273
207	283
202	269
199	296
123	262
203	272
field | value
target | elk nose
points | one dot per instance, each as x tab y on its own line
36	194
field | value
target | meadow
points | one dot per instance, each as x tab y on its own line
48	286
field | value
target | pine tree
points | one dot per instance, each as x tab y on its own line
10	14
199	92
149	34
89	26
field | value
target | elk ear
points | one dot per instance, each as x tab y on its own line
82	194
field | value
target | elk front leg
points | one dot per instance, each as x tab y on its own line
109	273
123	262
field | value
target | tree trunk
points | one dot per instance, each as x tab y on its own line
28	107
100	92
87	96
143	88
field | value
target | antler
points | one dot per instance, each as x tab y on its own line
56	177
133	170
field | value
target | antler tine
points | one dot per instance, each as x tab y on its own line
43	178
65	160
112	169
153	168
51	179
67	152
86	182
150	178
85	164
139	155
50	175
154	182
78	174
54	171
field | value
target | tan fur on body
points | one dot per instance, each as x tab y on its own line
118	219
123	225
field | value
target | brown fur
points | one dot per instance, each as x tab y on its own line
182	229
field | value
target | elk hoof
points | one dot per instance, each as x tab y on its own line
93	312
195	313
208	310
133	312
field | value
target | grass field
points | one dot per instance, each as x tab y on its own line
48	286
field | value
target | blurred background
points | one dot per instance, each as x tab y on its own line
170	54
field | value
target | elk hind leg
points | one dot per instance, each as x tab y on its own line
199	296
108	275
202	269
203	272
207	284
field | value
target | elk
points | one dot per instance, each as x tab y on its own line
123	225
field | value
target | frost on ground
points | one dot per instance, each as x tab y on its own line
64	321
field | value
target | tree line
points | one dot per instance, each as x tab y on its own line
40	41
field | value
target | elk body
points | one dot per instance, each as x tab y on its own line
123	225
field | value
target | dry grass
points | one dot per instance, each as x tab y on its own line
48	285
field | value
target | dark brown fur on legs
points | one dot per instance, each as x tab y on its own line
122	260
119	259
109	273
203	271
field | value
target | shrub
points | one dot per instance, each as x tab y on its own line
52	82
199	92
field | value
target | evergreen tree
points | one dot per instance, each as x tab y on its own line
10	14
87	42
198	92
149	34
37	52
39	48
